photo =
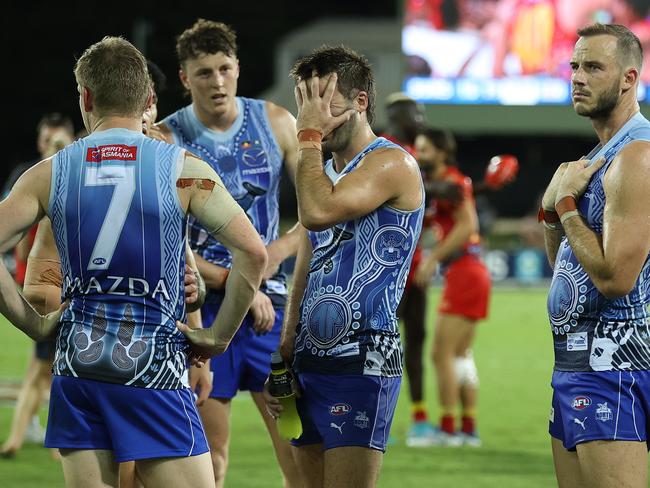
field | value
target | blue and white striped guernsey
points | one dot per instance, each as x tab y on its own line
249	160
591	332
358	271
120	233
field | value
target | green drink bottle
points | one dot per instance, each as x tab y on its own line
289	425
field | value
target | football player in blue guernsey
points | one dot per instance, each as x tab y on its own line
363	210
596	213
248	143
118	202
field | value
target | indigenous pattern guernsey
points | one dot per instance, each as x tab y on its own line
120	233
357	274
592	333
249	161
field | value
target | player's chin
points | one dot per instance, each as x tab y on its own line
581	108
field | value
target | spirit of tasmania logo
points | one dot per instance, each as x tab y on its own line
581	402
112	152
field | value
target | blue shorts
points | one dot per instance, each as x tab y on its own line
604	405
247	362
346	410
134	423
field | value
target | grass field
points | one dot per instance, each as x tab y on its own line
514	356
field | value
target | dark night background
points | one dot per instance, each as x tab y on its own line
42	40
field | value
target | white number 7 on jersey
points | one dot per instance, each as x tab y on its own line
123	179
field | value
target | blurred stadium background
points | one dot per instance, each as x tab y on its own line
492	105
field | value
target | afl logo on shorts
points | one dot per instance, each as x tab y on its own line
340	409
580	402
99	261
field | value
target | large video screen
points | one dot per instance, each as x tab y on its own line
506	52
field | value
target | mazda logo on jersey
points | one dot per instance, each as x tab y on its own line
581	402
116	285
340	409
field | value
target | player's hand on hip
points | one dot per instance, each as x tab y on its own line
576	178
263	313
548	200
314	109
203	344
191	285
48	324
201	382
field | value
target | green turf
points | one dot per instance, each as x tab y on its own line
514	356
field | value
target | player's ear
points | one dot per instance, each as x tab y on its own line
630	78
237	68
183	77
87	99
361	100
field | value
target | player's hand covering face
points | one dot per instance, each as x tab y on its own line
314	110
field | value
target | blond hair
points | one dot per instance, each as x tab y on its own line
115	73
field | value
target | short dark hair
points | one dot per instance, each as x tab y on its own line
157	76
55	119
206	37
627	43
353	70
442	139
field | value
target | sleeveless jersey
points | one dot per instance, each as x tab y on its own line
442	220
120	233
357	274
591	332
249	161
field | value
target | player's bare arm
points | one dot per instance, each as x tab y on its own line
25	205
292	310
292	314
553	233
614	260
466	224
384	177
202	192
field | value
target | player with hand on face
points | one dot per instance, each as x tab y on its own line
363	209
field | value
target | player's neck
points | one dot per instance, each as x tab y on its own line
362	138
606	127
116	122
219	122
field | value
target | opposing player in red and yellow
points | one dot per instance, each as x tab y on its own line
466	290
